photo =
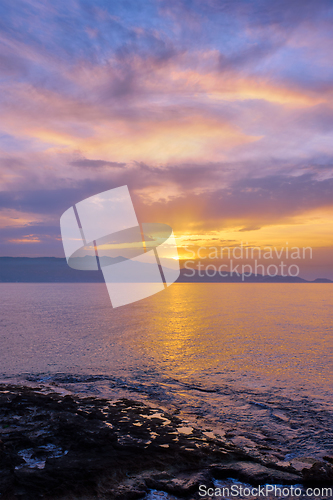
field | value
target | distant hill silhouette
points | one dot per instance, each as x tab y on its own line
44	270
56	270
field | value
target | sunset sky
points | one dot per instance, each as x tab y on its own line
217	114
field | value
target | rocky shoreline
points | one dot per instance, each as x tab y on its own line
68	447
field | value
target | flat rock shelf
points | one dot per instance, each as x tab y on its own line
67	447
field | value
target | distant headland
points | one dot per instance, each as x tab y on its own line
56	270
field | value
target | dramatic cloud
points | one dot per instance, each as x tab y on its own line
218	115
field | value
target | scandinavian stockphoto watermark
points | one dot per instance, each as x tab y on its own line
255	261
103	233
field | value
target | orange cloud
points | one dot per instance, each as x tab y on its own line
15	218
161	134
28	239
231	86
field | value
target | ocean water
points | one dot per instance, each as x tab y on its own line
253	361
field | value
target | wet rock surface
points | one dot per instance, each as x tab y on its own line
320	473
54	446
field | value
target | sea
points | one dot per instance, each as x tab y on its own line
251	361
